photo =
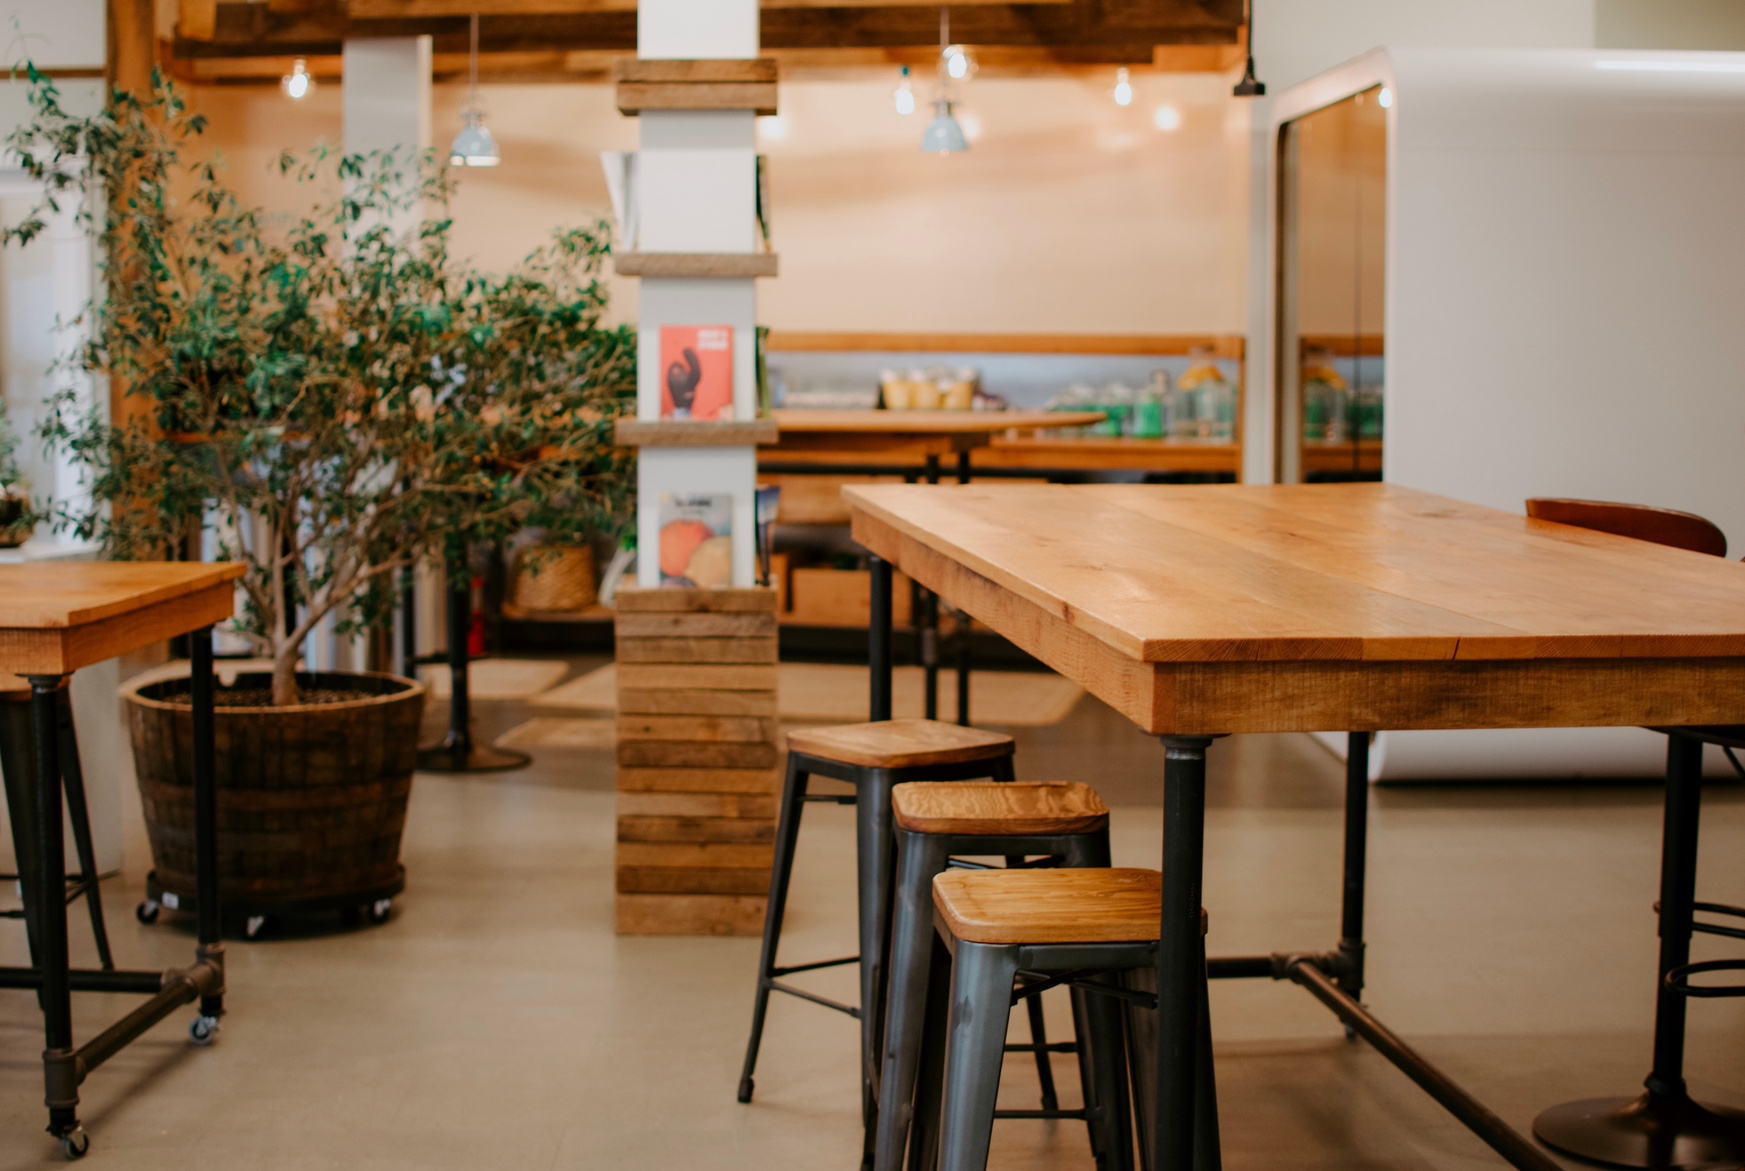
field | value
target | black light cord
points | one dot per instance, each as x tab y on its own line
1250	86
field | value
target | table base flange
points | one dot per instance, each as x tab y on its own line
1658	1131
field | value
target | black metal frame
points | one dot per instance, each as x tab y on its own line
65	1066
458	752
1664	1127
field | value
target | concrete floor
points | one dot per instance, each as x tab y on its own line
496	1021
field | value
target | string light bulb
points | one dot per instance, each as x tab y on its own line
904	95
298	83
1123	91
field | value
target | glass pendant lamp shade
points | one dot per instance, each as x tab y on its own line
943	135
474	146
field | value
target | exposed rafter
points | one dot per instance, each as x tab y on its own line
1078	31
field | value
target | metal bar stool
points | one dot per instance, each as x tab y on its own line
874	758
1662	1127
1093	930
18	765
1066	824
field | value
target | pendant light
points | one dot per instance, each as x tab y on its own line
1250	86
944	135
1123	91
474	146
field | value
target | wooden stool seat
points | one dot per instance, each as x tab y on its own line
900	743
999	807
1112	905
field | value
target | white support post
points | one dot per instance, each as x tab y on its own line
696	191
386	106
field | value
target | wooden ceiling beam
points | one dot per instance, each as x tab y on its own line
321	26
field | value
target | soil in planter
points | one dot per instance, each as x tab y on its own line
263	696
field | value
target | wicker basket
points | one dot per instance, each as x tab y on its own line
556	578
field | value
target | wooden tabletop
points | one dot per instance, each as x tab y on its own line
58	616
1325	607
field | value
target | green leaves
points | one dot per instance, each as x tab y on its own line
337	398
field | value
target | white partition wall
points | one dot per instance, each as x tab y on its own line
1563	293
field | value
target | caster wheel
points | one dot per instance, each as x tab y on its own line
255	925
146	912
746	1085
203	1030
380	910
75	1143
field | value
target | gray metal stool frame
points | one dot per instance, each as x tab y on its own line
18	768
962	1052
875	850
921	856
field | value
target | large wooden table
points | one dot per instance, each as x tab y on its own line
1201	611
56	617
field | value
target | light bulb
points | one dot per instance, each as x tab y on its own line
1166	118
1123	91
904	94
1385	98
297	83
957	62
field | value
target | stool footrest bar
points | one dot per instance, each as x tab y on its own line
1678	980
813	967
1050	1047
847	1009
1080	1115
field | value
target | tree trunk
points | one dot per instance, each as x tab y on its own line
285	690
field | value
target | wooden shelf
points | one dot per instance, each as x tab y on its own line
696	264
696	85
682	433
1163	344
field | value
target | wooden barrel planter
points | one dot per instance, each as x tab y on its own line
311	797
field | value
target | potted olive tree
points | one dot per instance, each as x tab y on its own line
332	401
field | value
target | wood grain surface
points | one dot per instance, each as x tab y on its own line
900	743
1105	905
994	807
1220	608
71	593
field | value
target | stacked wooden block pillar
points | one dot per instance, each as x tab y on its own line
698	758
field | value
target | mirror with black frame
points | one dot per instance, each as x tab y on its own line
1332	236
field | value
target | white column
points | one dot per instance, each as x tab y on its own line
386	106
696	190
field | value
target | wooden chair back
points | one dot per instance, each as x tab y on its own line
1662	526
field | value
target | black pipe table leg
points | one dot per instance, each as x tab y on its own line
458	753
208	913
60	1074
1664	1127
878	640
1180	967
929	629
1356	851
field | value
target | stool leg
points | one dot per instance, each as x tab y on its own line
930	1080
1103	1072
919	858
981	1001
787	834
876	852
1039	1037
73	777
1208	1150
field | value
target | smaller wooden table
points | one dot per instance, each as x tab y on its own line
56	617
823	441
830	440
